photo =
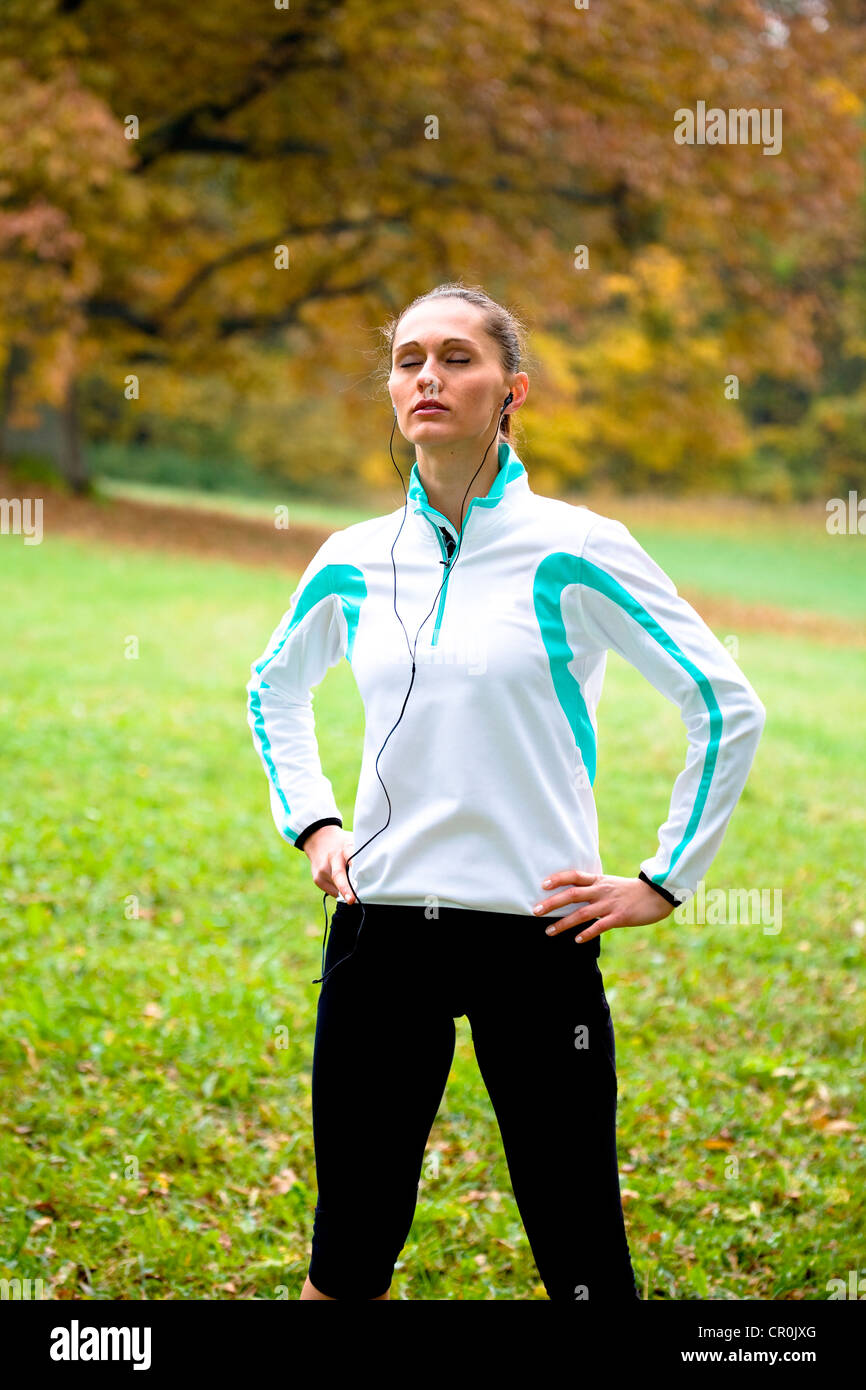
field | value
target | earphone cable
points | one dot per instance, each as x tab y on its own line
412	650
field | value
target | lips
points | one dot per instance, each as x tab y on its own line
428	405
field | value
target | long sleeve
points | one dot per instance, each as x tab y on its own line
310	638
629	604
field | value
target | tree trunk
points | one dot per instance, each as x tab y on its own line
16	360
70	455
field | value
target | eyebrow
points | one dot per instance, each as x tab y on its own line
445	342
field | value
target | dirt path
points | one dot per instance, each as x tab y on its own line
116	521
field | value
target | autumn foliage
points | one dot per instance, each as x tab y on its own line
696	310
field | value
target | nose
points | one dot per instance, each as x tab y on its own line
428	385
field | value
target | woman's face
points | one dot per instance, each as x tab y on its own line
443	357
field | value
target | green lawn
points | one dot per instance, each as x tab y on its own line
794	565
160	941
303	510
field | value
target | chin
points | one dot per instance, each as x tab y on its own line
421	420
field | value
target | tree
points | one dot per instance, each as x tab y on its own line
387	150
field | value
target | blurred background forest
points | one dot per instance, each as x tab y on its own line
154	159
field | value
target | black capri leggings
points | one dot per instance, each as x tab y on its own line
384	1045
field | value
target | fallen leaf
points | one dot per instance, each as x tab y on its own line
283	1181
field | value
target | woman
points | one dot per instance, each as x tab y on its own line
477	620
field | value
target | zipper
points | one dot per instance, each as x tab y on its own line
444	532
445	561
443	529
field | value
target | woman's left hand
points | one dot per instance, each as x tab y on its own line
616	902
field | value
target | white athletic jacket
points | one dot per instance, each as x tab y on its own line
490	769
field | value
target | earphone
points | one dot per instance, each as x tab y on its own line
449	565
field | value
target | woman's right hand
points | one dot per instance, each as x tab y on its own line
327	850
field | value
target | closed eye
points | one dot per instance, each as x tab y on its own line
458	361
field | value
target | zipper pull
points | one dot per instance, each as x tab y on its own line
449	544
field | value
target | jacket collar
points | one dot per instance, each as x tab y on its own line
509	488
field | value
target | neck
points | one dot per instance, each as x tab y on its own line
445	471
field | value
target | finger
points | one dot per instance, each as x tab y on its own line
603	924
572	919
343	884
567	876
565	897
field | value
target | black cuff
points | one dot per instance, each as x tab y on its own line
657	886
316	825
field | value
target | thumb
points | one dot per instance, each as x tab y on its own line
342	882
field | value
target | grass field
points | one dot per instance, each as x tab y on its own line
754	551
160	943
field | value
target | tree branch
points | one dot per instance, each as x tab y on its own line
501	184
115	309
254	248
228	326
259	323
182	132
